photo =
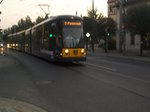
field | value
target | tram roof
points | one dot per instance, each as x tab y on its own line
65	17
59	17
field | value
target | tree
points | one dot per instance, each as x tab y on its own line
106	30
87	26
138	21
39	19
92	14
94	19
24	24
28	22
21	24
96	24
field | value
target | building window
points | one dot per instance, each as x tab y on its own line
112	10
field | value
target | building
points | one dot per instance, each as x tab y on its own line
112	10
125	40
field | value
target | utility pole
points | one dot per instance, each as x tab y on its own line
1	1
121	26
92	37
0	13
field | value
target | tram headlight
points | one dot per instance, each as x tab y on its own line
66	51
82	50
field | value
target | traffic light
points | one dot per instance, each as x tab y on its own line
108	33
52	35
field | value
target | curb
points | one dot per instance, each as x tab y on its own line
11	105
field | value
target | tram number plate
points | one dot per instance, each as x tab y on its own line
75	52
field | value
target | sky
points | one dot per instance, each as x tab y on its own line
14	10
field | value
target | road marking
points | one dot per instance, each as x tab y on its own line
129	77
105	61
102	67
118	74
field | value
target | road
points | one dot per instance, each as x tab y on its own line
101	84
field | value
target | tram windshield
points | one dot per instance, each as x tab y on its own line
73	37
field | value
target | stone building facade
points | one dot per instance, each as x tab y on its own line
125	40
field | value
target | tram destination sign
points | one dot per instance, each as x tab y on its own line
72	23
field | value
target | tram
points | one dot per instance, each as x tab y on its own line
59	38
16	41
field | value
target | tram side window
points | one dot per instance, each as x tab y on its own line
57	36
59	41
45	39
52	36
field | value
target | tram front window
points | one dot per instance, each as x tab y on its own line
73	37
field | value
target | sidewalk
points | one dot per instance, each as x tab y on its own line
115	53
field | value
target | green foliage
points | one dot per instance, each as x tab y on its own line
87	25
23	24
138	19
98	24
39	19
28	22
111	44
93	14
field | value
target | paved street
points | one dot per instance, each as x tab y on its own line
104	83
108	39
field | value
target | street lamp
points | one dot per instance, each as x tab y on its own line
92	37
93	5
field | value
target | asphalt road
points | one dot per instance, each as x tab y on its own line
101	84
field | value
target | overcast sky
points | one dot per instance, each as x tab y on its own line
14	10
